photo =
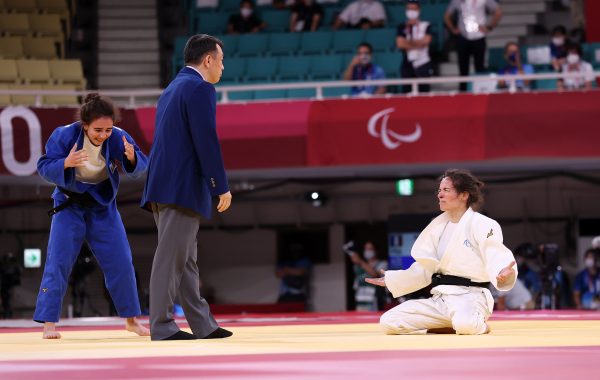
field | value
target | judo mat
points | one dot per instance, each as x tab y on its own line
521	345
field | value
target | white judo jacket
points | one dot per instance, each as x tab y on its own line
475	251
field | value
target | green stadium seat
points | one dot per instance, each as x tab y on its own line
211	22
241	95
263	68
329	16
346	41
293	68
318	42
301	93
396	15
235	69
390	63
252	45
284	43
495	59
276	20
270	94
336	92
382	40
229	6
230	44
323	67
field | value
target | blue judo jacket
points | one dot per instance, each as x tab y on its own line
51	165
186	166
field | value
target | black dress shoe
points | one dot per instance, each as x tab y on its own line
181	335
218	334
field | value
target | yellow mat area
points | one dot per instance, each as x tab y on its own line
293	339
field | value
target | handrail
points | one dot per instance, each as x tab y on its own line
132	95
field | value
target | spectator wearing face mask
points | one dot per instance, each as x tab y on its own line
362	14
414	38
558	45
246	21
362	68
368	297
587	283
574	64
514	65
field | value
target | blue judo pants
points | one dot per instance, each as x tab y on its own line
104	231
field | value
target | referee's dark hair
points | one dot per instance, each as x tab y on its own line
198	46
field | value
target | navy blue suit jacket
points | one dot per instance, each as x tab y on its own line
51	165
185	166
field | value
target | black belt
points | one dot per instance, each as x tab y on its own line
83	200
446	279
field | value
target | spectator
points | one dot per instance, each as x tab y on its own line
306	16
514	65
586	291
574	64
471	31
362	14
361	68
10	276
246	21
518	298
414	38
558	45
368	297
294	272
528	276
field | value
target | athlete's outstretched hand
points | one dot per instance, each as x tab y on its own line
379	281
506	274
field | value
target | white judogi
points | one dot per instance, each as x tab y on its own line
474	251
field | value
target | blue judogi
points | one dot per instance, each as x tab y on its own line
186	166
99	224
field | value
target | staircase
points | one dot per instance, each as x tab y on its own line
128	48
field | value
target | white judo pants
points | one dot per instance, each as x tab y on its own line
466	313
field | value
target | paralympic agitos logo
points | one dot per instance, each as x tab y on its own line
378	128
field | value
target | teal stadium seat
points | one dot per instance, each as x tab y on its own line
284	43
329	16
230	43
382	40
261	69
301	93
293	68
241	95
276	20
495	59
335	92
396	15
252	45
346	41
270	94
318	42
591	53
390	63
229	6
325	67
235	69
211	22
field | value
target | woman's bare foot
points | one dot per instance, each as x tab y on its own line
133	325
50	331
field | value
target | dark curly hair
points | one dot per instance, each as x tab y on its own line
464	181
95	107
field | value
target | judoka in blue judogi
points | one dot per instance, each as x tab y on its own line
83	159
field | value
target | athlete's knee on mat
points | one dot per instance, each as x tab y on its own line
468	324
392	325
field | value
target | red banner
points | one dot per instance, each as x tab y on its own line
355	131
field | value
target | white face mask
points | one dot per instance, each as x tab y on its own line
412	14
246	12
589	262
558	41
369	254
573	58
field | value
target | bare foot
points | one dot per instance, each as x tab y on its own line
133	325
50	331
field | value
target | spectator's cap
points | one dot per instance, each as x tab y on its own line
596	242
